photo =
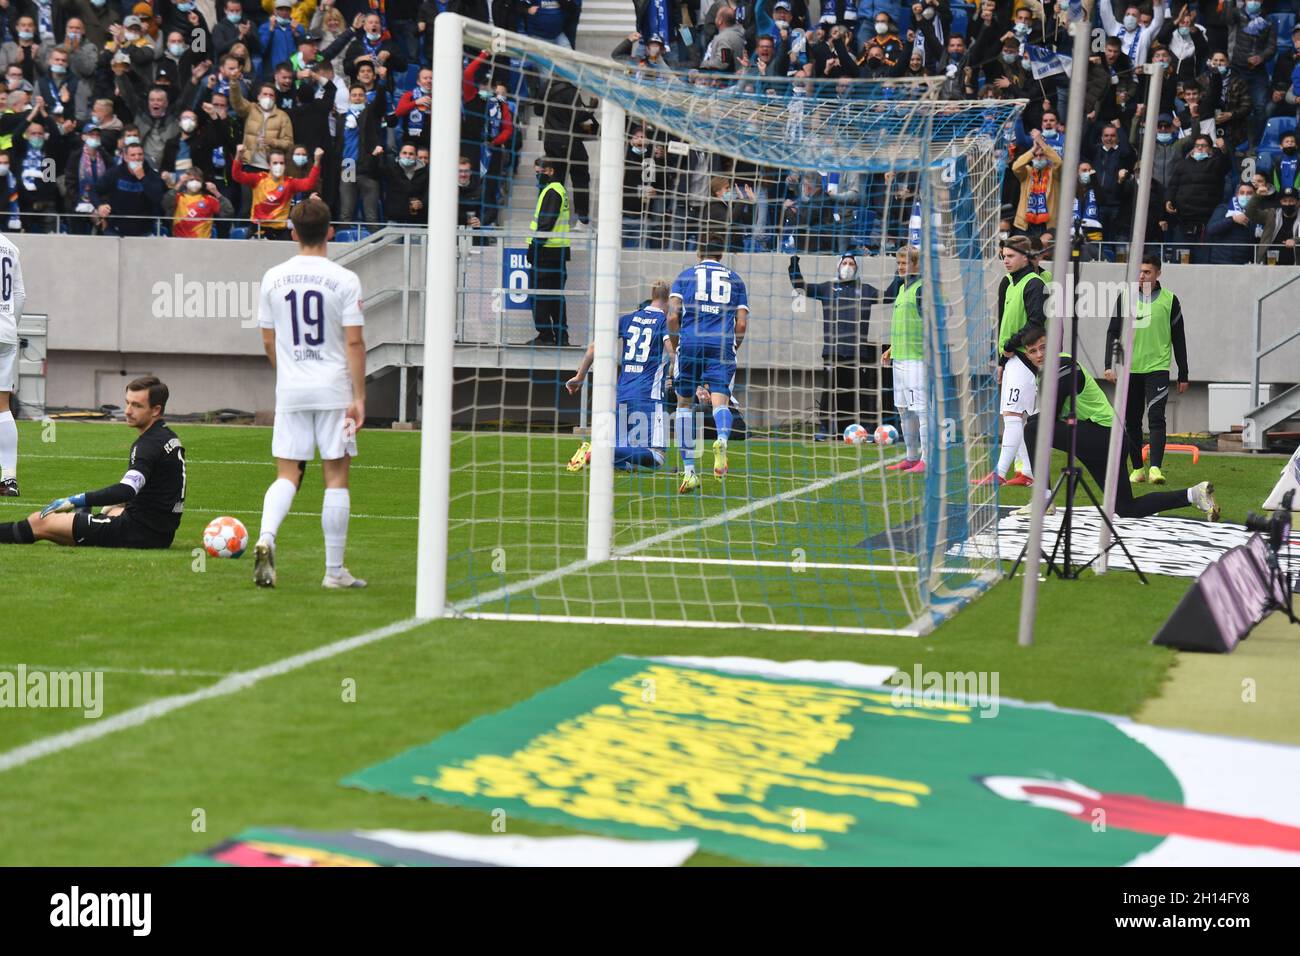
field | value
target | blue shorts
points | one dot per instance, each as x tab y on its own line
641	425
702	368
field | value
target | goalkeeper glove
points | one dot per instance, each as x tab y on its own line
71	503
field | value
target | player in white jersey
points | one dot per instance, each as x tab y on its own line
310	314
12	296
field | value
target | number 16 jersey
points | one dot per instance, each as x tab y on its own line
308	301
711	295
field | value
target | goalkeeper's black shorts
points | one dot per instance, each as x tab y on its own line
115	531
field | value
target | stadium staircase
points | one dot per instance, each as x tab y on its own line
1286	405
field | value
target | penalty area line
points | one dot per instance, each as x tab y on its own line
231	684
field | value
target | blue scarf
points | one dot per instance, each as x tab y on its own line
1256	26
657	22
1090	215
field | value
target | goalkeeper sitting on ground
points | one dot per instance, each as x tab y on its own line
645	355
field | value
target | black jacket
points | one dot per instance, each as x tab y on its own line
400	189
1195	188
846	313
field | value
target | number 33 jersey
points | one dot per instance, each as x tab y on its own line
711	296
308	301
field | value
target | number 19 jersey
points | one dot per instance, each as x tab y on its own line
308	301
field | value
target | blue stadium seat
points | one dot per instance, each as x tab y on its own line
412	75
1285	23
1269	144
239	232
961	17
352	234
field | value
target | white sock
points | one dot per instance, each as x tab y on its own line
1013	436
8	446
275	505
686	437
1191	496
334	522
922	430
911	439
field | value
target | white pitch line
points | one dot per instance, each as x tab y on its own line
230	684
748	563
711	625
142	671
461	607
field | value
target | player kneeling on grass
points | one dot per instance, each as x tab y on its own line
311	321
645	353
142	510
1092	438
708	311
905	353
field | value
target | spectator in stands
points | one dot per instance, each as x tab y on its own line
9	193
414	110
549	20
1113	160
128	39
809	218
317	104
180	151
175	63
954	67
266	126
83	169
931	24
83	57
1038	170
1008	76
566	121
279	37
128	194
1228	96
372	45
1167	149
1283	174
358	142
330	23
1195	189
1252	41
469	199
401	20
158	124
873	66
1277	242
1193	119
273	191
234	27
1087	212
1122	84
107	122
1232	233
25	50
831	58
406	184
1136	31
33	162
58	88
193	204
887	35
1187	42
1286	79
95	19
219	136
727	49
303	63
729	213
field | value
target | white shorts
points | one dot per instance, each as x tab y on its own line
297	435
8	367
1019	388
909	385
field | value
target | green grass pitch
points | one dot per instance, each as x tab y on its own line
161	624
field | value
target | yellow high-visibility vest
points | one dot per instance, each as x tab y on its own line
560	237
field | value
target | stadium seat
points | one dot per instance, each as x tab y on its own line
1285	23
1273	130
352	234
961	15
239	232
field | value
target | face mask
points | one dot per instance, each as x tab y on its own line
184	7
1008	58
928	13
299	159
131	140
4	169
98	3
1198	155
1164	137
283	21
1085	178
74	37
234	17
848	272
92	144
356	108
541	179
132	36
373	37
176	49
277	170
1039	163
639	150
58	69
1289	150
406	161
882	28
134	165
1024	64
193	185
1184	32
1252	8
485	94
1130	23
1223	70
1022	29
266	102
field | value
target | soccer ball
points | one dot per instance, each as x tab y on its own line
225	537
886	435
856	435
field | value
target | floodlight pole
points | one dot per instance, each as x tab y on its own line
604	330
1123	363
440	272
1079	29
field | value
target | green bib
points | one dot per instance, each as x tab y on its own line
560	239
906	330
1091	403
1152	346
1014	317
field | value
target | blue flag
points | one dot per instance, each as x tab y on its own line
914	226
1075	10
1044	61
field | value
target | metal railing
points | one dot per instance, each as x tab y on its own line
1261	352
88	224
